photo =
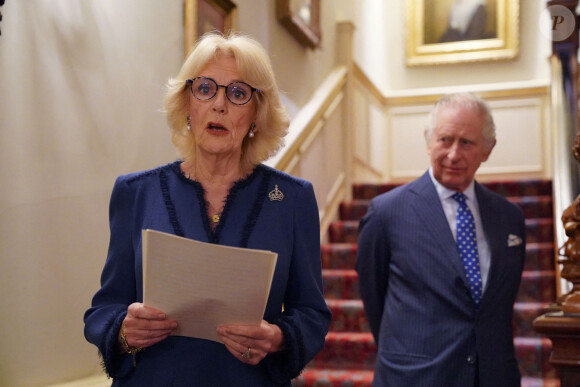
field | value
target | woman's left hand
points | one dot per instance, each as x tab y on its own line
250	344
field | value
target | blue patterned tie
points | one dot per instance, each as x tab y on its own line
467	244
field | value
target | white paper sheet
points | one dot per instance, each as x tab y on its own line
203	285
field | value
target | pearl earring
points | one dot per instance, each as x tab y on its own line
188	124
251	133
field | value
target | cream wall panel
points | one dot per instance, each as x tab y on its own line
334	140
519	132
294	166
361	108
360	135
408	155
371	137
313	168
378	139
322	160
521	149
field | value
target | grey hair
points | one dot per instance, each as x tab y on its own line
467	101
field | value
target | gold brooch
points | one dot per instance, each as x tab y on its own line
276	194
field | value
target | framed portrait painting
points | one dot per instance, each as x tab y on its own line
302	19
201	16
455	31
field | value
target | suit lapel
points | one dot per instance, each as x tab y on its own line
427	207
490	228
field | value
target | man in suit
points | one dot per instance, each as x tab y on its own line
436	323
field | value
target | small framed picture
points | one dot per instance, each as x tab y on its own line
302	19
201	16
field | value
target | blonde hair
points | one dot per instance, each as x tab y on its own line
255	68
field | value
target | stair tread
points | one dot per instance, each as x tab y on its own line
526	273
338	302
531	305
538	230
505	188
532	341
340	372
345	272
353	246
535	198
536	286
358	302
363	378
350	377
540	382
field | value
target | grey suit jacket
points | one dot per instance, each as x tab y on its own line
416	296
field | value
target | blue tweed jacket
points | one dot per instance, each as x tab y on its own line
163	199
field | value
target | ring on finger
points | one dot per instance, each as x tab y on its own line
246	355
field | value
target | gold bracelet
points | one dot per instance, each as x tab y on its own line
128	348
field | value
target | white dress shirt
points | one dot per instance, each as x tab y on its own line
450	206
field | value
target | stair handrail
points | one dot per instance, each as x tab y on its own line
304	124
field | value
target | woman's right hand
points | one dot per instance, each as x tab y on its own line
145	326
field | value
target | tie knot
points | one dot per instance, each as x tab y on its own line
459	197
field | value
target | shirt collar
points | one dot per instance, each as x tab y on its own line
445	193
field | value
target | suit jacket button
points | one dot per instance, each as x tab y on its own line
471	359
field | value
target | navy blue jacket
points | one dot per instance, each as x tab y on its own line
416	296
163	199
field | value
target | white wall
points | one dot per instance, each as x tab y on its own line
80	95
299	70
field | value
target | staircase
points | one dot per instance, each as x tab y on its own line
349	354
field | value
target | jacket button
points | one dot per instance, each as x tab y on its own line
471	359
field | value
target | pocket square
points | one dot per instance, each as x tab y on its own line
514	240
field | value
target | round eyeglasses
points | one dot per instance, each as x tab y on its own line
204	89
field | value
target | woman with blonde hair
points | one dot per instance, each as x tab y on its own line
226	118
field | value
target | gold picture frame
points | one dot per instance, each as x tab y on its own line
201	16
431	40
302	19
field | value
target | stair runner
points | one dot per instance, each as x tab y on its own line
349	354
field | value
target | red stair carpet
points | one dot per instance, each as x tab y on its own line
348	357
